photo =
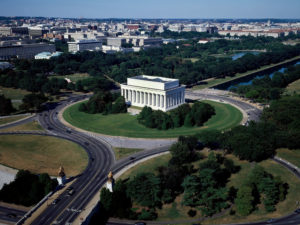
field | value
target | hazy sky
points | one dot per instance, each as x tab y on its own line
152	8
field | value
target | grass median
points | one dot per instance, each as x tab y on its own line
42	154
11	119
127	125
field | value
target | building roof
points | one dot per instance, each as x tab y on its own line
153	78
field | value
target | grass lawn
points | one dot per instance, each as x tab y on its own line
146	166
11	119
13	93
41	154
127	125
34	125
293	156
175	210
214	81
73	77
124	152
293	88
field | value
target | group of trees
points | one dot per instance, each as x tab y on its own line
5	106
168	61
40	81
184	115
267	88
27	188
104	102
260	187
279	127
151	190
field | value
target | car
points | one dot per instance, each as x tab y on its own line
132	158
49	128
11	215
297	210
270	220
70	188
55	201
71	192
86	143
68	131
139	223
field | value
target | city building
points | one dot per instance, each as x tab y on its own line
117	42
159	93
24	51
85	45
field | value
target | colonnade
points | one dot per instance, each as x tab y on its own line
155	100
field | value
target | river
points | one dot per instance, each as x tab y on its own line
248	79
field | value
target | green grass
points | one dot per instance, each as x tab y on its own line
124	152
175	210
73	77
293	88
293	156
13	93
11	119
214	81
34	125
147	166
127	125
42	154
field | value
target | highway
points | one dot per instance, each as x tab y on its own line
101	159
10	214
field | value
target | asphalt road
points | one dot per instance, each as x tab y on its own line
101	159
10	215
252	112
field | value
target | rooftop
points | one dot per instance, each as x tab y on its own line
153	78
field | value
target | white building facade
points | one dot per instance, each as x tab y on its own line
159	93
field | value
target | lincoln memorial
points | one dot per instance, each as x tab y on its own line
159	93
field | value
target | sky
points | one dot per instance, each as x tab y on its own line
289	9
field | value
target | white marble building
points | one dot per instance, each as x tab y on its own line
159	93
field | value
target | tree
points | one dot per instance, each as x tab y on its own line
5	106
244	201
188	121
145	189
119	106
33	101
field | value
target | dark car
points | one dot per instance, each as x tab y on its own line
140	223
11	215
71	192
55	201
297	210
86	143
132	158
70	188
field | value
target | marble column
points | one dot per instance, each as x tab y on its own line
153	99
158	100
145	98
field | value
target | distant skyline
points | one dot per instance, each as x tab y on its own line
193	9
